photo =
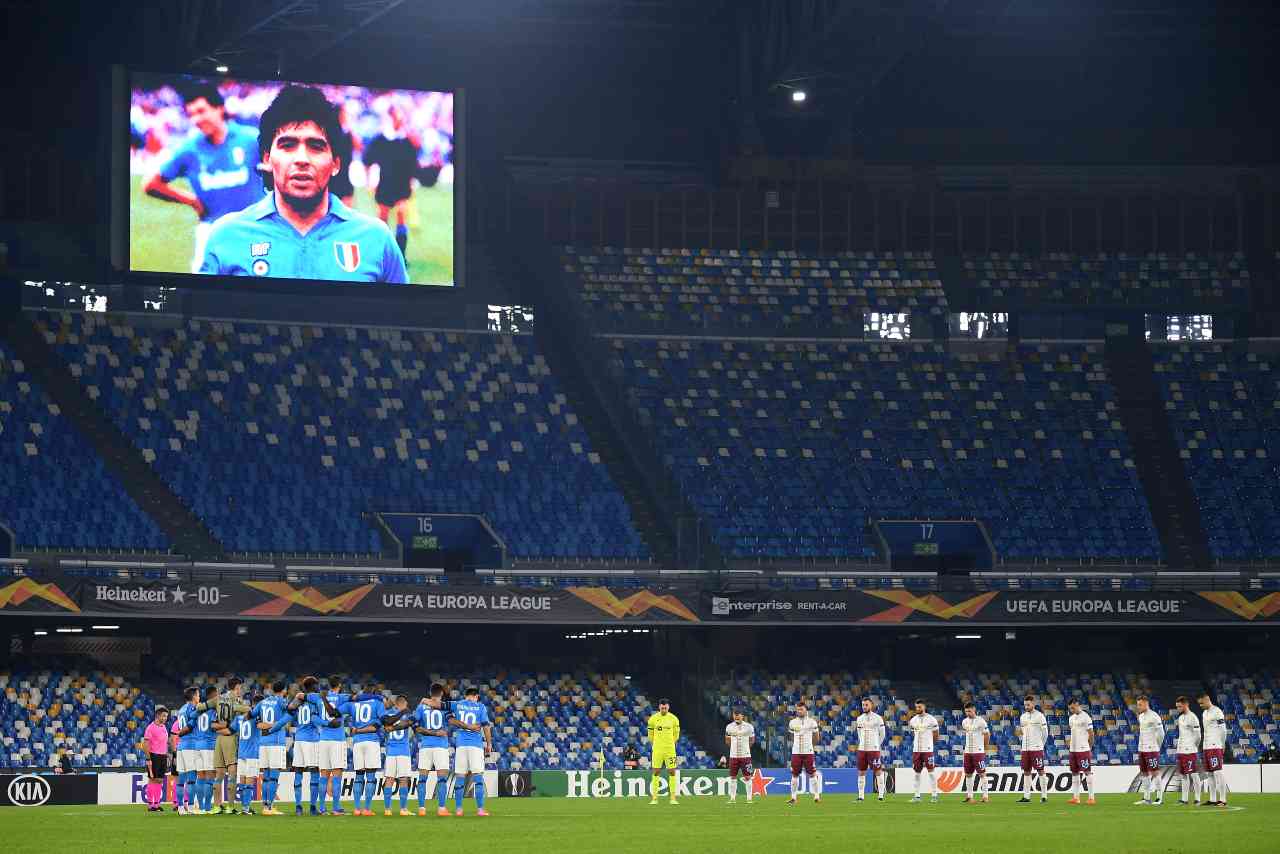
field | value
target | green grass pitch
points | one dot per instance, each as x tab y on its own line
563	826
161	233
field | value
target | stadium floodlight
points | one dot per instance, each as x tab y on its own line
1010	635
39	633
244	630
67	630
798	95
222	69
106	628
968	637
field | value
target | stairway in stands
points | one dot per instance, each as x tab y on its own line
579	363
187	534
937	696
604	441
1155	453
1165	691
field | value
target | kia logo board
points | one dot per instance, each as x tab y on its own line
28	791
36	790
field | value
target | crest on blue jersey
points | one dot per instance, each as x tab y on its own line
347	255
261	267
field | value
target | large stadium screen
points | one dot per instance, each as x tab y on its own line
280	180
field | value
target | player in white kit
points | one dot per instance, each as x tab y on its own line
1080	750
1150	740
1214	724
804	736
924	728
977	739
1187	750
739	735
871	731
1033	728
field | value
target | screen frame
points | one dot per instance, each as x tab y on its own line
120	183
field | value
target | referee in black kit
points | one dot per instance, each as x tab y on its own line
396	155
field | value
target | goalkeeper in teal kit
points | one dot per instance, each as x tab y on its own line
300	230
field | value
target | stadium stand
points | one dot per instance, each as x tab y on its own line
1223	403
57	492
1251	703
749	290
324	424
1059	278
49	706
787	447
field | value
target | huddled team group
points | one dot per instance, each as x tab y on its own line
219	738
1197	748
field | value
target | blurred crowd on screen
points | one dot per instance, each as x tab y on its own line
158	119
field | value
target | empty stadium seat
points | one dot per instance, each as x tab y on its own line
1251	704
52	706
1223	403
1059	278
790	449
751	290
57	492
281	438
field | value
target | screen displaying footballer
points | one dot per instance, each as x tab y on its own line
298	181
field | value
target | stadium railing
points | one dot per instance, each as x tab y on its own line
647	574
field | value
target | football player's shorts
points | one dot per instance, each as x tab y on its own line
224	753
663	759
247	768
332	755
366	756
468	760
204	760
433	759
186	761
398	767
306	754
271	757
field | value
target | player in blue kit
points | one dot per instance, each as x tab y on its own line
247	758
217	158
368	714
433	749
473	741
184	728
399	765
333	743
301	230
306	744
207	728
271	746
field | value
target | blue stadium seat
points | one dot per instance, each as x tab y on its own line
1015	279
57	492
752	290
281	437
1223	402
790	448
